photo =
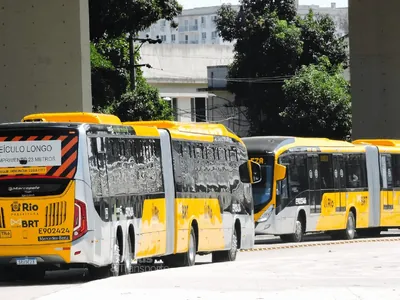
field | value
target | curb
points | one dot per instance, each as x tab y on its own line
316	244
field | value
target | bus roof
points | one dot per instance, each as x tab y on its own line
188	127
74	117
269	144
378	142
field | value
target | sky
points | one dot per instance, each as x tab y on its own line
187	4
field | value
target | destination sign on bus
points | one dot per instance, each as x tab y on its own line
30	153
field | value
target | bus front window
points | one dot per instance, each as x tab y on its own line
262	190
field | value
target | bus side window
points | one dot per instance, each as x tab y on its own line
356	171
298	177
326	171
396	170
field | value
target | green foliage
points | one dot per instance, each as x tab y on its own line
110	21
272	44
141	105
110	61
115	18
319	102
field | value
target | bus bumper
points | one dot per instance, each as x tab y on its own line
44	254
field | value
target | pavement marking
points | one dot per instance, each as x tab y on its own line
316	244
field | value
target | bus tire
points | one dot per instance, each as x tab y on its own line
298	235
116	259
229	255
350	231
187	259
127	266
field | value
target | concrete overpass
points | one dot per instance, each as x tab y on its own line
45	61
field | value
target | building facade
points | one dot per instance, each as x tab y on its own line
197	25
180	74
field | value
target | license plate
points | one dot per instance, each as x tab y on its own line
26	261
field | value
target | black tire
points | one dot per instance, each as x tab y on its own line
111	270
229	255
115	267
187	259
127	265
298	235
350	232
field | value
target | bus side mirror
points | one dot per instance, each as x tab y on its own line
250	172
280	172
255	171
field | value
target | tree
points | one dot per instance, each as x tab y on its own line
143	104
116	18
110	23
319	102
271	45
110	86
109	68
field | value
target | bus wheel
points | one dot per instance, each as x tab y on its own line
127	266
230	255
298	234
116	259
350	230
190	256
184	259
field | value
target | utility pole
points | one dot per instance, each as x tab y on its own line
132	53
131	62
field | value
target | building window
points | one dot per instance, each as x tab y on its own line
164	38
204	35
203	22
173	38
214	34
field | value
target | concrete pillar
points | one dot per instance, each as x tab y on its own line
44	57
375	68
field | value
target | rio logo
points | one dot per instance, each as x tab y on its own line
25	207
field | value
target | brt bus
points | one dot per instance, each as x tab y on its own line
85	190
322	185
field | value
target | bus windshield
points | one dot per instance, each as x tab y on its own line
262	191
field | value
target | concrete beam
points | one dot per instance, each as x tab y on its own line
44	57
375	68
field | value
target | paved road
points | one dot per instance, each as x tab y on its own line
345	272
351	268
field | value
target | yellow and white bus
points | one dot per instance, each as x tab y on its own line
322	185
85	190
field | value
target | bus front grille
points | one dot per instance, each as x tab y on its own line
56	214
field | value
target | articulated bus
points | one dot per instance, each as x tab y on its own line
86	190
322	185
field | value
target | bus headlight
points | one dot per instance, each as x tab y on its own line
265	216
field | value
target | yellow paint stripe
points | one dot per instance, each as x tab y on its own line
316	244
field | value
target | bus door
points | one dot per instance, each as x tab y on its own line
339	183
314	183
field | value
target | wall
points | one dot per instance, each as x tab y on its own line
44	57
375	65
